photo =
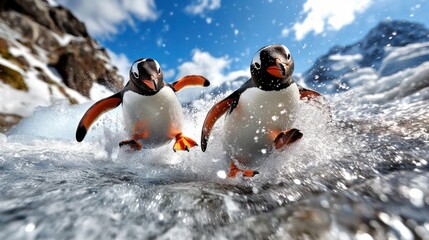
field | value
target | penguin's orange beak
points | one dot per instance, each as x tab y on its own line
150	84
277	70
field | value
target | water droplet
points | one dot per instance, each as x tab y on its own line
297	181
274	118
363	236
324	203
416	197
30	227
221	174
263	151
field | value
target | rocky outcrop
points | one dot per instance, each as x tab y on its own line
55	34
46	54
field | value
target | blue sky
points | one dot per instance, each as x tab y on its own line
218	38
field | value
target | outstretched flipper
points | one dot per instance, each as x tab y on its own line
183	143
309	94
319	99
190	80
94	112
234	170
214	114
287	137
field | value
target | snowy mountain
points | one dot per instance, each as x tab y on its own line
389	48
46	54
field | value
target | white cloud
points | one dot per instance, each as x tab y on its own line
104	17
122	63
200	7
327	15
168	74
214	69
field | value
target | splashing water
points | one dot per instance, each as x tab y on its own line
360	174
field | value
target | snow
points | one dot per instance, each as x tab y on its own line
40	93
66	38
400	58
343	61
10	65
53	3
99	91
401	84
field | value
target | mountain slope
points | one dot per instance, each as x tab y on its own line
47	54
388	48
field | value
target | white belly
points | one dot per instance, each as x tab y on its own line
152	120
259	116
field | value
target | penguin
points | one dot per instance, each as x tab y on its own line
152	113
261	113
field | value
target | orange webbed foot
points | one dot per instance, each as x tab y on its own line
234	170
133	144
183	143
287	137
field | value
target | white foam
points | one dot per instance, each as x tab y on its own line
52	130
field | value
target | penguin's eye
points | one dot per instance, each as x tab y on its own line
158	68
256	61
134	68
288	56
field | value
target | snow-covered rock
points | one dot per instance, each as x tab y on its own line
47	55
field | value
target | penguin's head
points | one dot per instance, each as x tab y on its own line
146	75
272	67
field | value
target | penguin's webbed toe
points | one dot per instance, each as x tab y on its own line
183	143
287	137
133	144
234	170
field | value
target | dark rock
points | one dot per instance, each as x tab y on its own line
7	121
58	19
12	78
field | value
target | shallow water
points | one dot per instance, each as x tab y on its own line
360	174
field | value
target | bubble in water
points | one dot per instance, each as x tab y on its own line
297	181
30	227
221	174
416	197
